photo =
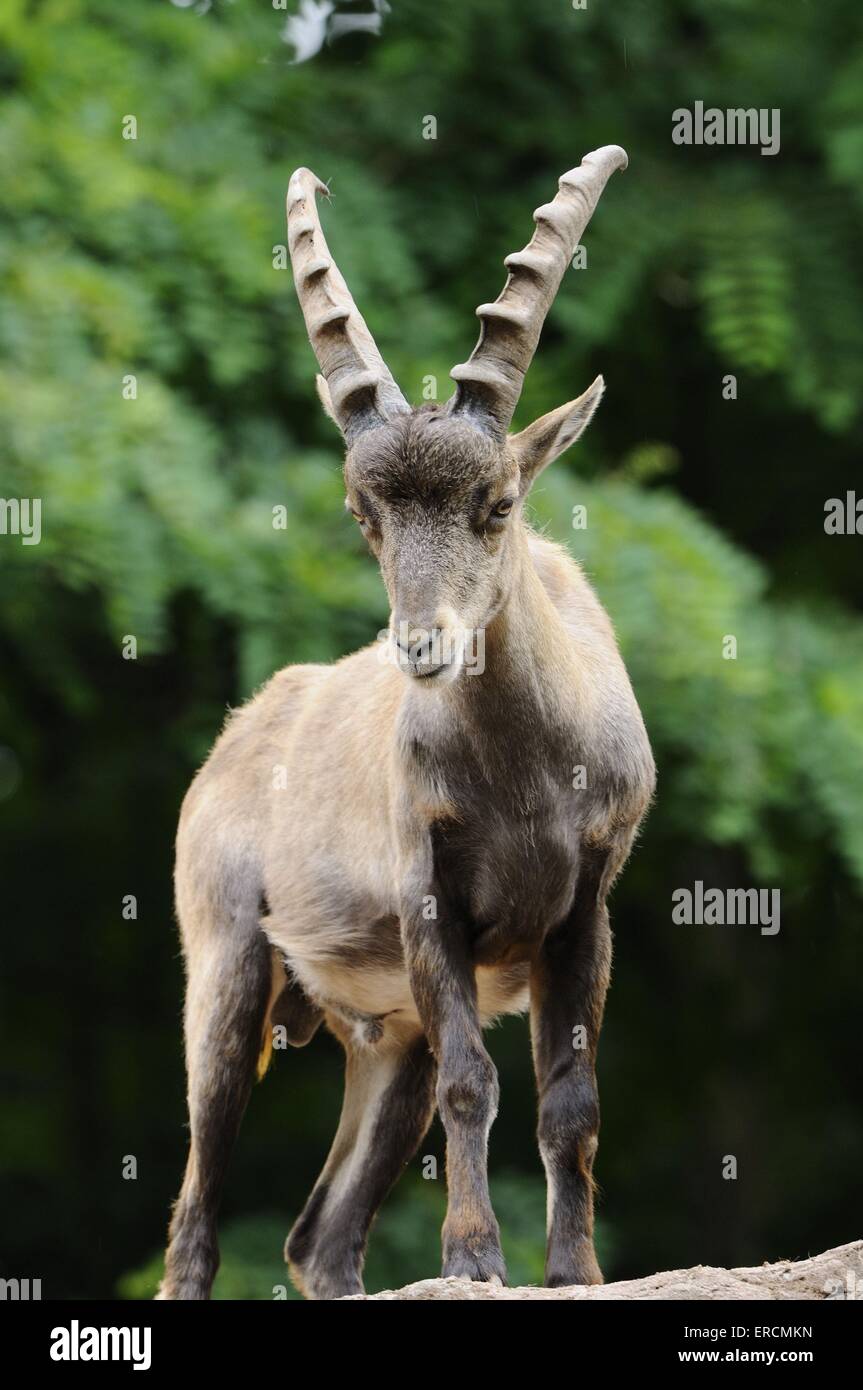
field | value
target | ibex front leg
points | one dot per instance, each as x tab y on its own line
444	988
568	987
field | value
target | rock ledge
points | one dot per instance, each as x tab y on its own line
837	1274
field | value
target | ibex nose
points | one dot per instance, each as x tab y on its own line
422	645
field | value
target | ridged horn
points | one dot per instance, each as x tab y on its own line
489	383
361	388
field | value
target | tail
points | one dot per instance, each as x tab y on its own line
265	1056
277	984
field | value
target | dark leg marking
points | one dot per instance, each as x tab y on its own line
226	1005
388	1106
443	984
568	987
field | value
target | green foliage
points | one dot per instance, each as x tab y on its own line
780	726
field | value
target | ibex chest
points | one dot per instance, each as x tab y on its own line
506	863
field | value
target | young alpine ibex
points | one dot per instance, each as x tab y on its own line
406	849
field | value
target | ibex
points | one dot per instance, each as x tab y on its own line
407	849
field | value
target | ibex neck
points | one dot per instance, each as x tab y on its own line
527	651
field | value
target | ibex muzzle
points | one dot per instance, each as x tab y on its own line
400	849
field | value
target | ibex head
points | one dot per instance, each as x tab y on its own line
438	490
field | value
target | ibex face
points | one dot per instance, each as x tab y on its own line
437	501
438	491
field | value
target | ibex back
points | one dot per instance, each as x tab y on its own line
406	849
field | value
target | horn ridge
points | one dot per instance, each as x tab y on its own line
490	382
361	386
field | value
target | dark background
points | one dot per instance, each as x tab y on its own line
155	257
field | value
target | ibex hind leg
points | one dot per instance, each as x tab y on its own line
229	969
388	1106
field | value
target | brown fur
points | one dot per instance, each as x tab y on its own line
397	791
397	847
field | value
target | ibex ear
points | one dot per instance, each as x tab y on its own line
326	399
545	440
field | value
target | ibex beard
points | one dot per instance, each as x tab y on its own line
428	861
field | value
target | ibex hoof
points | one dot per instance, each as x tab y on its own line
483	1263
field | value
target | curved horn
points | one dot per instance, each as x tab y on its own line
490	383
362	391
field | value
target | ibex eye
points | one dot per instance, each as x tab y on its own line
503	508
357	516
